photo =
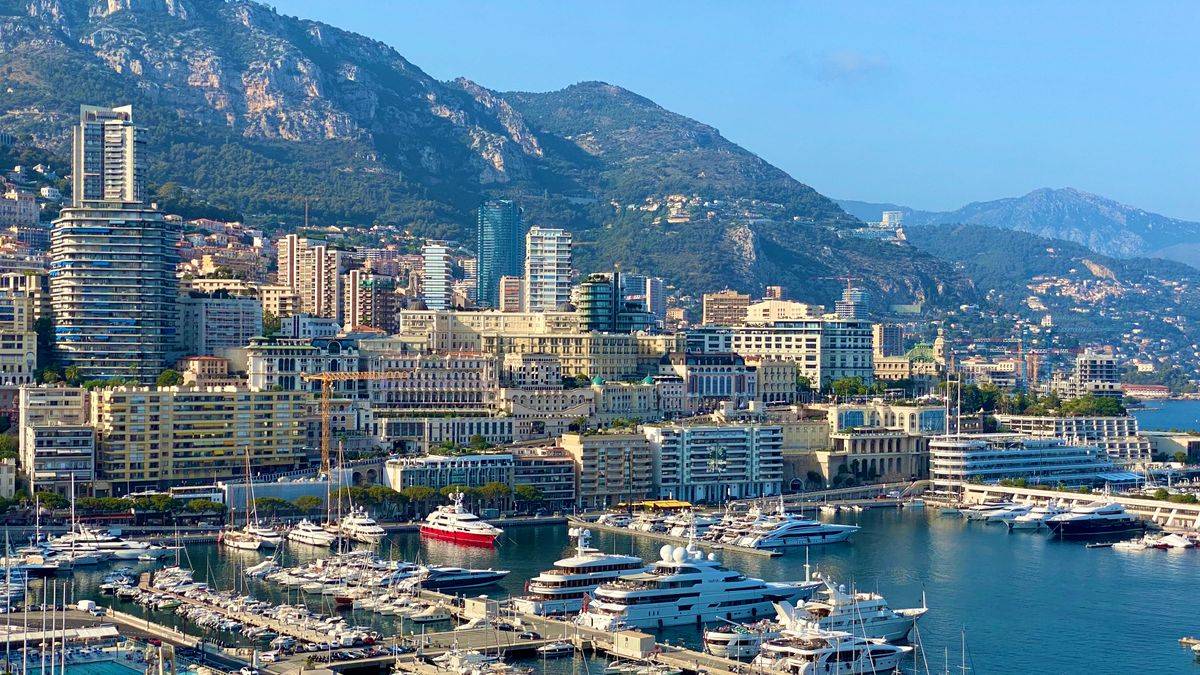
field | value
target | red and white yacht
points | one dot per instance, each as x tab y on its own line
454	523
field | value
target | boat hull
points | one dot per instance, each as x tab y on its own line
1095	527
843	533
473	581
469	538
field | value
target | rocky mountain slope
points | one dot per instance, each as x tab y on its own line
1101	224
252	111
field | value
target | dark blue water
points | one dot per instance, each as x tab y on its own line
1027	604
1165	415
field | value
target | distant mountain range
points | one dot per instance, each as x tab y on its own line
253	112
1101	224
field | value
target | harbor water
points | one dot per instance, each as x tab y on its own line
1014	602
1166	415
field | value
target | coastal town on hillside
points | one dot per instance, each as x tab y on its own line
274	445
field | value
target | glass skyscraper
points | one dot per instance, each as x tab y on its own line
112	258
500	248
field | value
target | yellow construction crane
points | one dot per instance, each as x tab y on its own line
327	380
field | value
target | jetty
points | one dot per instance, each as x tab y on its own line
629	644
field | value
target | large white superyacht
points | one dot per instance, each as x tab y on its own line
686	587
784	529
560	590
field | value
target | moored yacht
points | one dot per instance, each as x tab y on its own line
818	652
361	527
982	511
864	614
683	523
442	577
452	522
560	590
90	538
239	539
788	529
308	532
1036	517
1097	518
269	537
685	587
1008	513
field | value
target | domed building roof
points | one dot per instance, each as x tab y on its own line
598	380
922	352
649	379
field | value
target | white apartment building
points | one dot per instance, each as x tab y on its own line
208	324
57	439
437	279
547	269
714	462
1117	435
824	350
994	457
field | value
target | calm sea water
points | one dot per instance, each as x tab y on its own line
1025	603
1184	415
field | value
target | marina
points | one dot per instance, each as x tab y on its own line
1030	583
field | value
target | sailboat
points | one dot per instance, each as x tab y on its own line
269	537
313	533
243	539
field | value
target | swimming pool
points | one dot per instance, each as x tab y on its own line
109	667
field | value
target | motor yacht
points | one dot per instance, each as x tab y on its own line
685	587
864	614
982	511
90	538
1036	517
308	532
1008	513
270	537
556	649
440	577
452	522
683	523
560	590
788	529
360	527
819	652
1097	518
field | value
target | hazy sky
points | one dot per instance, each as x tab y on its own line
928	104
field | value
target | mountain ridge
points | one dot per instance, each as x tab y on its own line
252	111
1102	224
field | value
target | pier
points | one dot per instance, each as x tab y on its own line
1168	515
494	641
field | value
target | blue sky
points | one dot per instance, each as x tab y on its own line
928	104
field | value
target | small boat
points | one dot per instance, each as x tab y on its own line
556	649
1176	541
146	557
830	509
1130	545
431	614
1099	544
915	503
950	511
623	667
